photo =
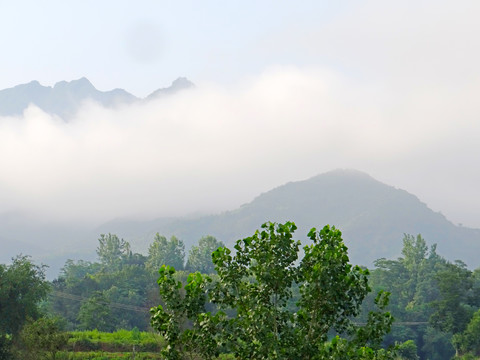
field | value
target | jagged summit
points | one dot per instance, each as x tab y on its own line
180	83
65	97
82	83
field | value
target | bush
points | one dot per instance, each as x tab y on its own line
408	350
118	341
82	345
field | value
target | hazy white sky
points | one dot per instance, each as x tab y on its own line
284	91
144	45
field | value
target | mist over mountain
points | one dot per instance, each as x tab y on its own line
372	216
65	98
197	151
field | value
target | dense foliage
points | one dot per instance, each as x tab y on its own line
433	301
256	283
118	291
22	288
42	339
200	258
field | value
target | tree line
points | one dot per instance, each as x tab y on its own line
278	298
436	303
122	279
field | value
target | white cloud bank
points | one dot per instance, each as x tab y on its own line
391	89
211	148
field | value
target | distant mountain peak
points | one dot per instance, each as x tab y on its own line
82	82
65	97
346	172
181	83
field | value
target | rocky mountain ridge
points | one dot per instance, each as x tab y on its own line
65	97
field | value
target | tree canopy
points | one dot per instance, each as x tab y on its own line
255	317
200	257
22	287
112	250
163	251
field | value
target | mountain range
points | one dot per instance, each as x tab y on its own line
65	98
372	216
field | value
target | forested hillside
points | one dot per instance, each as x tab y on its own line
372	215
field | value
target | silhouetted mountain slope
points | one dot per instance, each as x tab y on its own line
65	98
372	216
181	83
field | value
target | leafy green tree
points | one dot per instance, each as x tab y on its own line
414	253
77	279
112	251
413	282
331	289
408	350
42	339
456	310
452	311
128	283
75	271
200	257
166	252
179	305
22	287
95	313
257	284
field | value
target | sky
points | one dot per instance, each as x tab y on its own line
284	91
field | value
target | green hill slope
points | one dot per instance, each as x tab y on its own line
373	217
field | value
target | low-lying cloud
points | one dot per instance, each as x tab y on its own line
213	148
